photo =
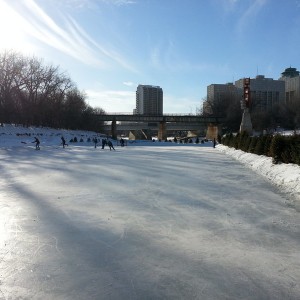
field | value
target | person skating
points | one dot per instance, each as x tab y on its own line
95	140
104	142
110	145
122	142
63	141
37	143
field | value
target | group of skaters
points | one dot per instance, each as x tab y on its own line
108	143
105	142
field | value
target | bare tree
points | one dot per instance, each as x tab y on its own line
228	108
33	93
11	65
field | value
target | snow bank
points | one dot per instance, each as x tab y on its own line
285	176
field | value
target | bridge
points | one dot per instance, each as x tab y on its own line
161	122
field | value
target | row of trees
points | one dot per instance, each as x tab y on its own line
284	149
286	115
32	93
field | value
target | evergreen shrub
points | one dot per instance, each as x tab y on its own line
252	144
277	148
260	145
285	149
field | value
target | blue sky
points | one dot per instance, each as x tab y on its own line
108	47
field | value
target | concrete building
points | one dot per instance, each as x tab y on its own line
265	92
291	77
149	100
218	93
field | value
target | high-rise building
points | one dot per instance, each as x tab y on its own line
291	77
149	100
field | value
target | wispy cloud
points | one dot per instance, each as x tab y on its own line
250	14
92	4
128	83
111	99
119	2
71	39
228	5
112	54
166	58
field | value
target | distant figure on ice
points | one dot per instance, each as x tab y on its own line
37	143
63	141
214	142
110	145
104	142
122	142
95	140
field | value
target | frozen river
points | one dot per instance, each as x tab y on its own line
143	223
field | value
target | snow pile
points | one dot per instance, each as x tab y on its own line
285	176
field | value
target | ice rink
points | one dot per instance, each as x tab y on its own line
143	223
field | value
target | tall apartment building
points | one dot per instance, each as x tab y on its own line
265	92
149	100
291	77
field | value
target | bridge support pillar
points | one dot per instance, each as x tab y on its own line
114	129
162	132
212	132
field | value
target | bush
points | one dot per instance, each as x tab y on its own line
267	146
260	145
243	141
236	141
291	151
252	144
277	148
284	149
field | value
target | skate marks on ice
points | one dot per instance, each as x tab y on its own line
150	225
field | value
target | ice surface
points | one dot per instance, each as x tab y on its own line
142	222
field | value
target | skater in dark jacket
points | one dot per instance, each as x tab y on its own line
95	140
110	145
63	141
104	142
37	143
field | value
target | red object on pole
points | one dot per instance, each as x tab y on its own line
247	92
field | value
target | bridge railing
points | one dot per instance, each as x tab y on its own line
132	114
159	118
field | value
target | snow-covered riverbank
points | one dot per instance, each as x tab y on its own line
285	176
